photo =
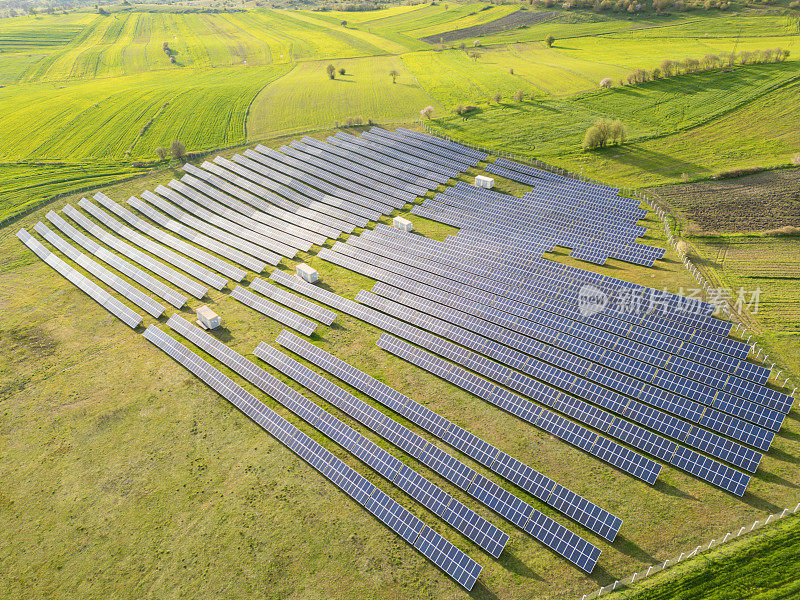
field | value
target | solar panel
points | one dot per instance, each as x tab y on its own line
280	314
95	292
355	485
136	274
476	528
447	557
189	250
135	255
491	494
294	302
198	238
123	287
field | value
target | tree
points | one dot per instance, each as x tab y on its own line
667	68
519	96
394	74
162	153
344	23
598	135
474	55
427	112
476	44
605	83
619	133
497	97
511	71
178	150
549	40
331	71
341	71
462	46
655	74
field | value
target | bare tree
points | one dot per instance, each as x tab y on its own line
519	96
474	55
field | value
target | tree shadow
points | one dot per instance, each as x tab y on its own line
511	562
650	161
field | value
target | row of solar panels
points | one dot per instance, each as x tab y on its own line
745	398
393	321
564	286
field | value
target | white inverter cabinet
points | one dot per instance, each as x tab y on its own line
402	224
207	318
484	182
307	273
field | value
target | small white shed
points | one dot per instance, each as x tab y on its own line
207	318
307	273
484	182
402	224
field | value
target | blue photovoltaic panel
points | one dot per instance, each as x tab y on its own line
446	556
525	477
488	492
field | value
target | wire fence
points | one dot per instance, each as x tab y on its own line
657	568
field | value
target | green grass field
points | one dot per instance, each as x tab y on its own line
127	478
147	482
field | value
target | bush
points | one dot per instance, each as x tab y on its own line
497	98
464	110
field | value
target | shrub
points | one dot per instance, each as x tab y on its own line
464	110
497	97
603	131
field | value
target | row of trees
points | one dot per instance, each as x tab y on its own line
331	71
634	6
671	68
603	133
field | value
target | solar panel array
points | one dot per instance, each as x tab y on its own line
540	486
94	291
301	305
472	525
606	450
574	548
144	279
437	549
123	287
273	311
